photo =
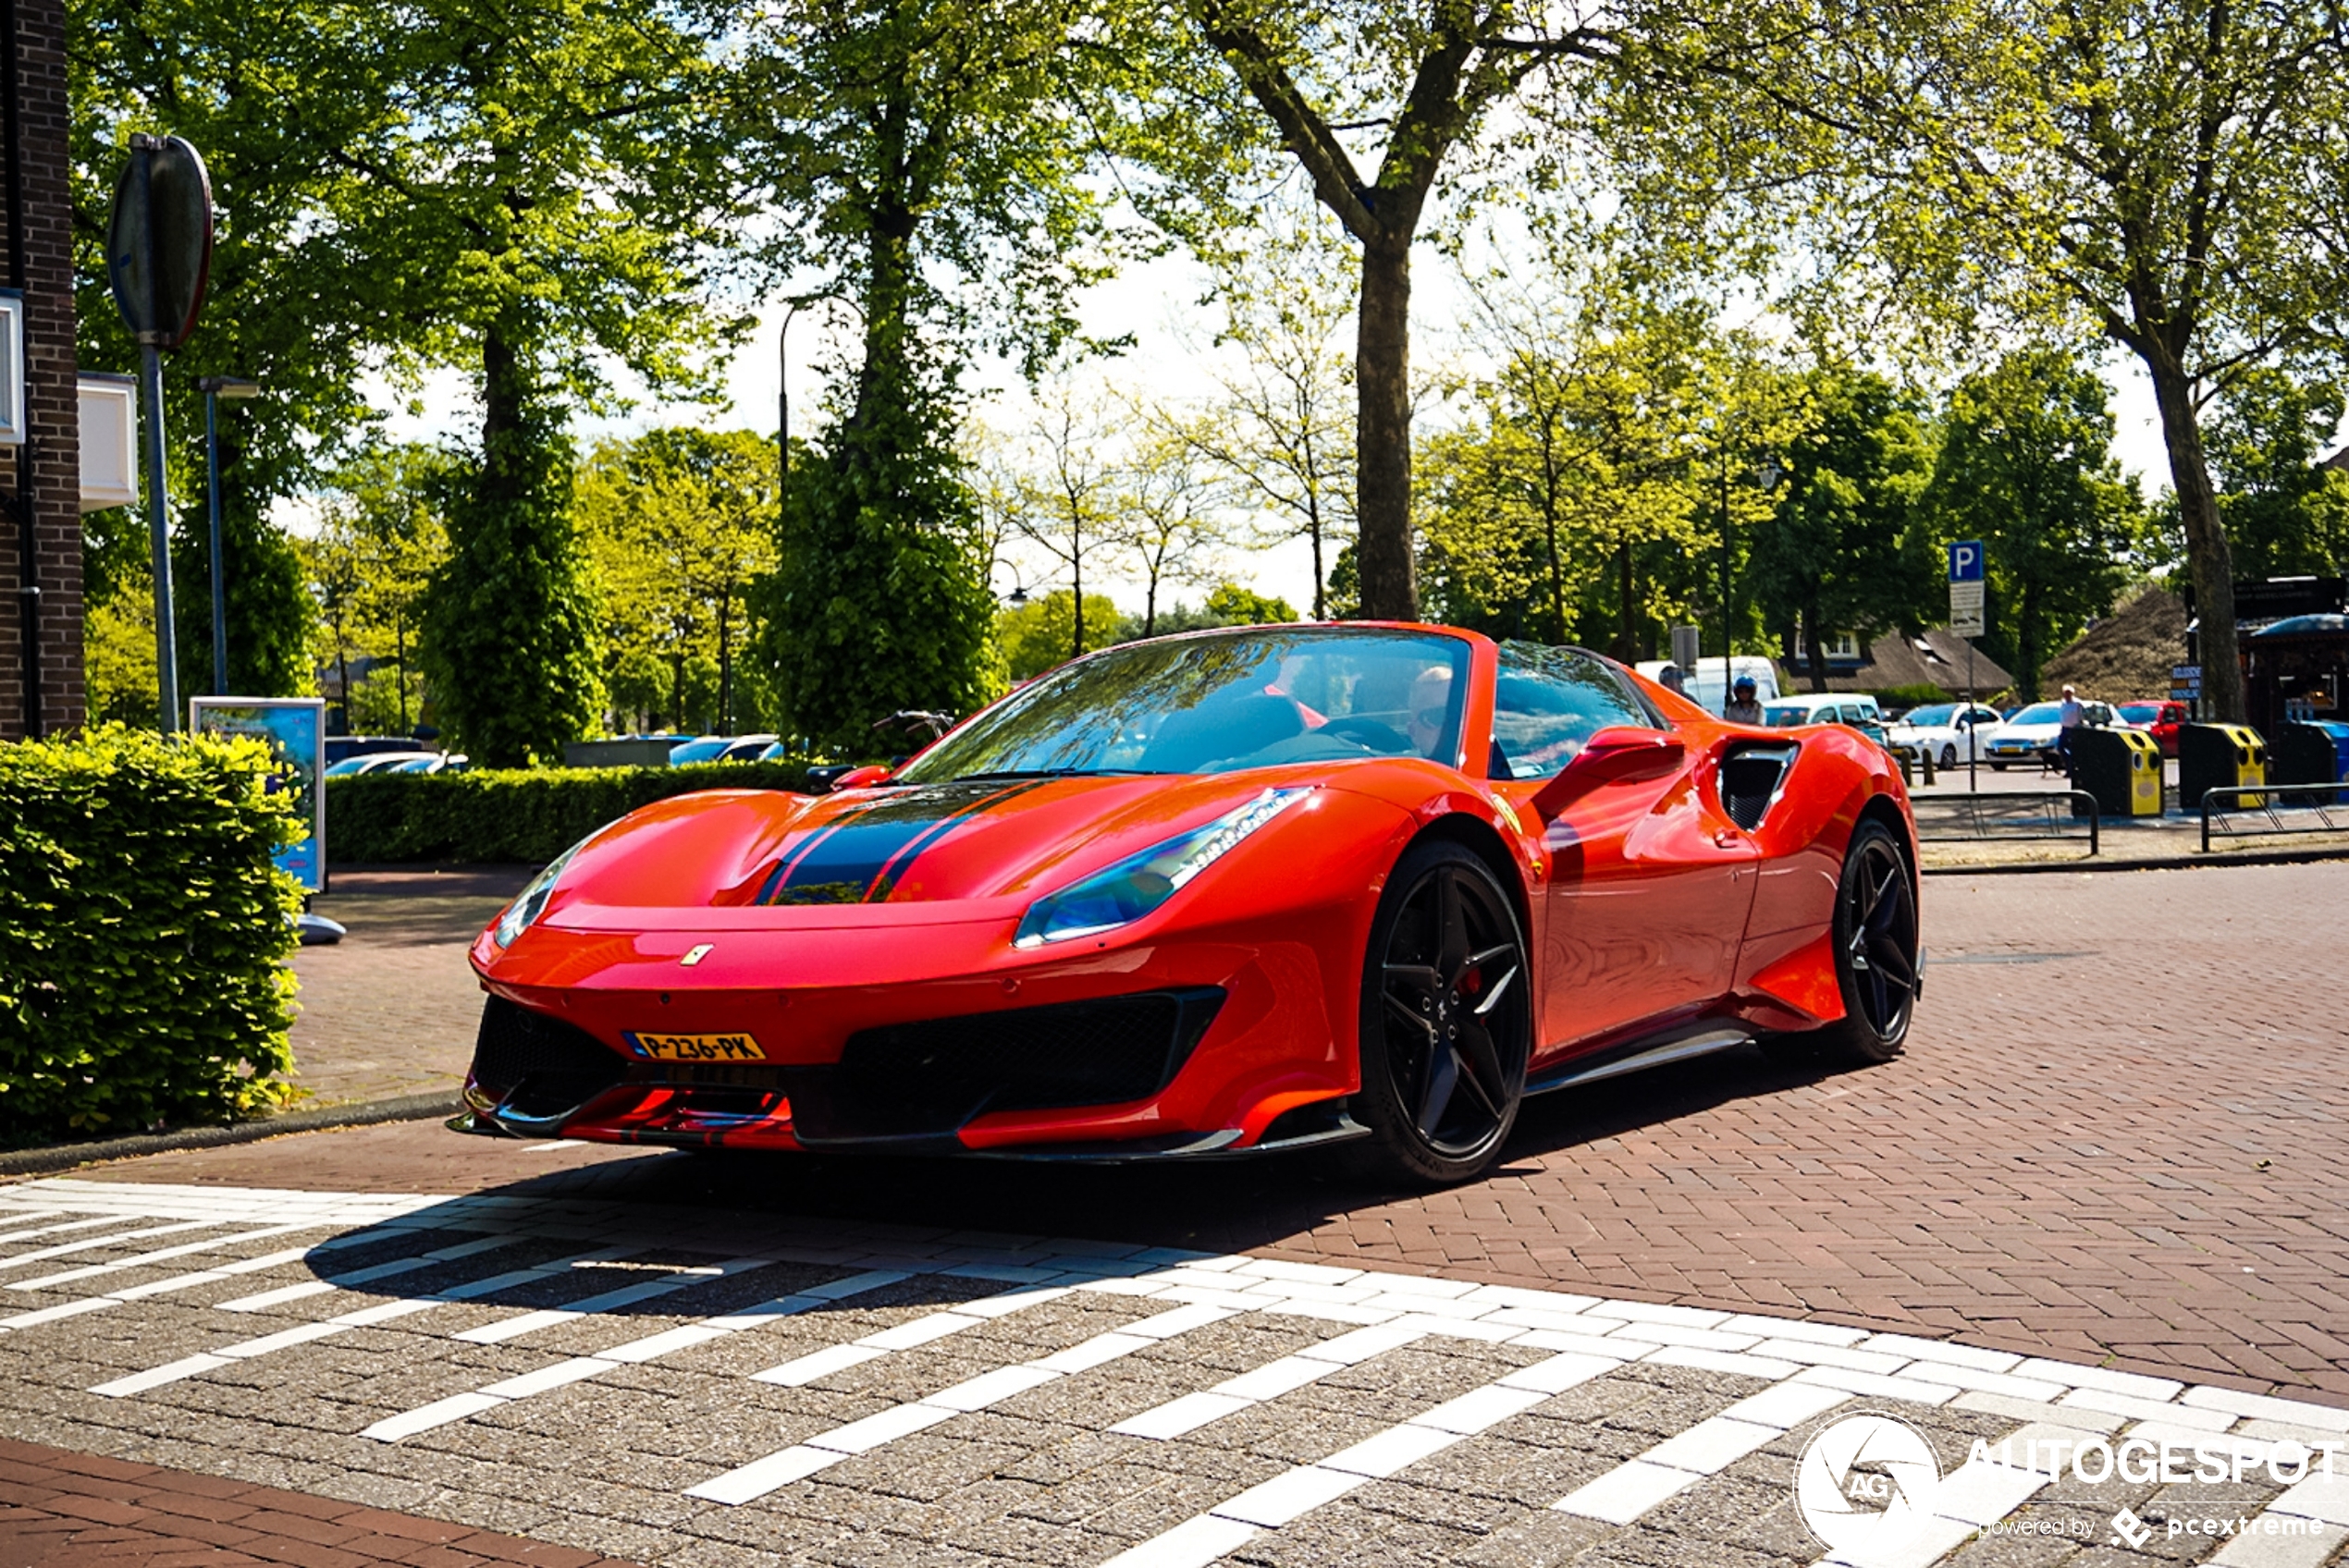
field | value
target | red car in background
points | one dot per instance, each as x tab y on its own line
2159	718
1252	889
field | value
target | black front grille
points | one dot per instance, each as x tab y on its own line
911	1080
537	1066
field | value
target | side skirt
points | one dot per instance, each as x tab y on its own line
1681	1045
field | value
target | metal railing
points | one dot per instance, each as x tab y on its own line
2044	814
2259	799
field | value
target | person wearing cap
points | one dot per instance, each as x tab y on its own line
1742	708
2070	717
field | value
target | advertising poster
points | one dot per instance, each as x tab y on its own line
294	728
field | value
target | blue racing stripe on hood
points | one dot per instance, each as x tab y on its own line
862	854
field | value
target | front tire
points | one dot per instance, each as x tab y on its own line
1948	756
1447	1019
1875	951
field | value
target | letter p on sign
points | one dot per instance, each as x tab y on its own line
1965	562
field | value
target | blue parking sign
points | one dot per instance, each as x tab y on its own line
1965	562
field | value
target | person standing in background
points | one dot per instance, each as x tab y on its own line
2070	717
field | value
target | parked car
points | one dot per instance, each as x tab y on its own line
1948	732
377	762
341	748
1855	710
2030	735
1702	684
2159	718
1252	889
747	748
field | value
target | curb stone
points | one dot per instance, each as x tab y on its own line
65	1157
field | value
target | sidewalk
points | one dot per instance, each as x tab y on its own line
63	1510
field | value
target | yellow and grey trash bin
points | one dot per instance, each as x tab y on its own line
2122	769
2220	757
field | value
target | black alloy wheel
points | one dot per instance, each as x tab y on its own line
1949	757
1447	1020
1876	957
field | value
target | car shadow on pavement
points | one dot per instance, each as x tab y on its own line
1211	1206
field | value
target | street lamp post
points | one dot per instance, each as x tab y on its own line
214	388
783	388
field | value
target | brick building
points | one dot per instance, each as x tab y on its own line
46	472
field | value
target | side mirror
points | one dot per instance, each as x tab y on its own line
1619	753
830	780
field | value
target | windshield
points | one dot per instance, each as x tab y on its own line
2038	713
1923	718
1218	703
1787	717
2141	713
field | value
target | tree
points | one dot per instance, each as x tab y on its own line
1065	499
1167	523
1846	547
918	150
1277	435
370	567
1234	604
2025	467
680	523
1038	635
2286	515
1431	75
2171	175
1568	505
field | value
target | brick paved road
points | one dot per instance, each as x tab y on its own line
2121	1134
693	1386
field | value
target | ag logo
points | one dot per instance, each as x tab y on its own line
1862	1479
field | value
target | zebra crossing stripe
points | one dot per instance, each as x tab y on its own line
161	1255
457	1407
63	1249
921	1330
746	1483
1287	1496
1191	1411
385	1270
151	1288
209	1361
1681	1461
14	1236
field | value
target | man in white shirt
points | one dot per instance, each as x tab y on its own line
2070	717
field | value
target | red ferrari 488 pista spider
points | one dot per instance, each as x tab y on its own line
1245	889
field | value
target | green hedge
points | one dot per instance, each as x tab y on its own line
144	934
510	816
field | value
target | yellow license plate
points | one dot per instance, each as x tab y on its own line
699	1047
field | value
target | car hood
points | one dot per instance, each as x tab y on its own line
964	839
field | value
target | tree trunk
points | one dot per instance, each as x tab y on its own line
1814	646
1627	643
2029	642
725	661
1382	433
2206	554
1076	586
399	653
1313	530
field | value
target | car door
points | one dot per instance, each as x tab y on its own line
1649	882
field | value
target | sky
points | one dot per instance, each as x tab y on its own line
1157	301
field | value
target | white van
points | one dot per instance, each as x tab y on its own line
1702	685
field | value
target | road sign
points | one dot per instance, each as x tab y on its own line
2185	672
159	239
1965	560
1965	607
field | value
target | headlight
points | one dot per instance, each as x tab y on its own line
524	912
1126	892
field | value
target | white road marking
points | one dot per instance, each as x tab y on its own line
1681	1461
1298	1491
153	1288
905	1336
1191	1411
161	1255
189	1366
2312	1519
390	1269
457	1407
746	1482
63	1249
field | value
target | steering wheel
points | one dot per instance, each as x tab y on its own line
1368	733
